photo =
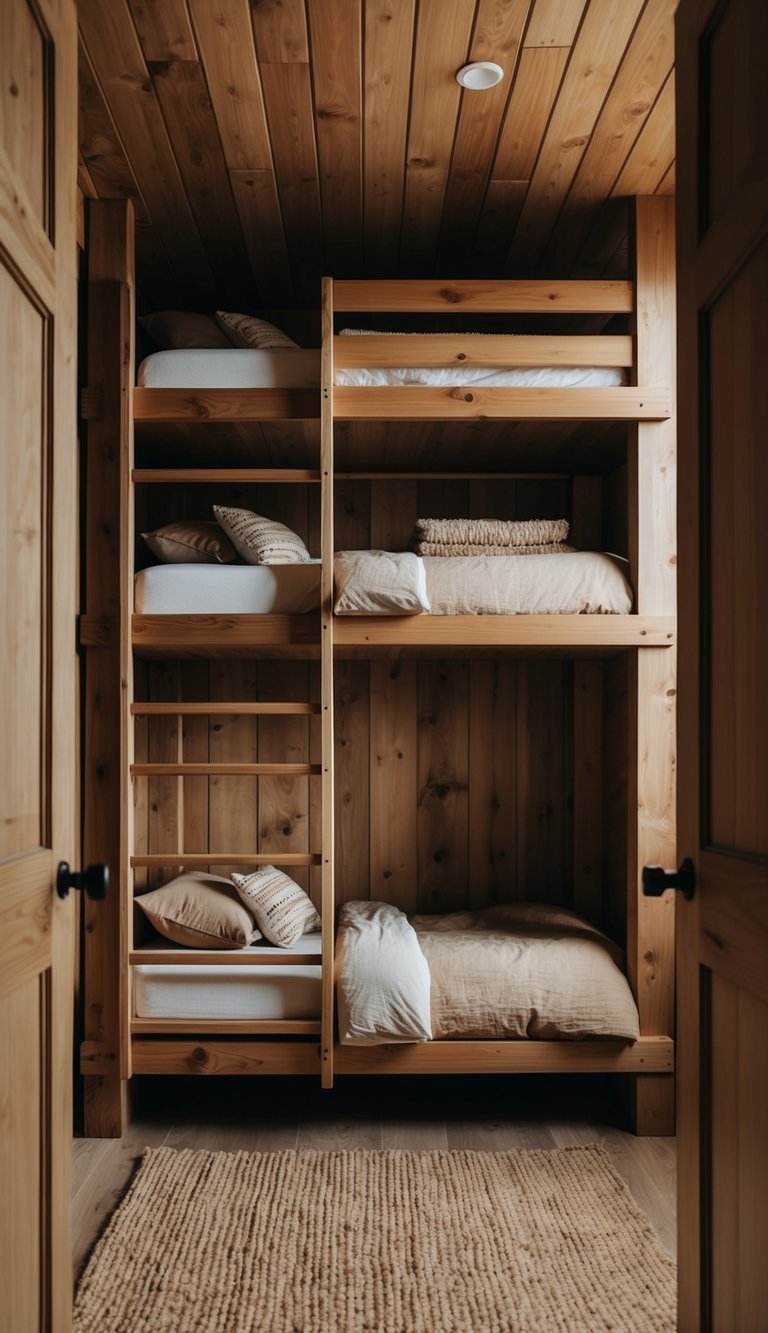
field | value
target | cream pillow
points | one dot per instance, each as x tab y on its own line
379	583
201	911
189	542
250	331
283	911
260	540
183	328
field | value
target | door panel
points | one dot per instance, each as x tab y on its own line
736	793
25	706
722	172
38	702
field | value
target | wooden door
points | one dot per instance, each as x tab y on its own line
722	167
38	508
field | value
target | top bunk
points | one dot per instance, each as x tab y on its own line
520	370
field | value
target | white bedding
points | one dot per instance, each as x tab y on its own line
299	368
177	590
382	977
577	583
195	991
232	368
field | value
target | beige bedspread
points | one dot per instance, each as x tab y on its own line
524	970
584	582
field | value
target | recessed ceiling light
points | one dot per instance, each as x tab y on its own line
480	74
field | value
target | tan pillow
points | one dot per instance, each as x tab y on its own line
260	540
183	328
283	911
201	911
250	331
190	542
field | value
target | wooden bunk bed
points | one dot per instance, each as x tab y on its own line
617	672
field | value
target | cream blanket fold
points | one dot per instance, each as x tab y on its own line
382	977
491	532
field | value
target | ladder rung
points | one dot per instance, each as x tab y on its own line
221	709
145	476
227	858
225	958
212	770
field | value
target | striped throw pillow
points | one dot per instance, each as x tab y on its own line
281	908
250	331
260	540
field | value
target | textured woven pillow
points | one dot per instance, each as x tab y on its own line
201	911
283	911
190	543
260	540
250	331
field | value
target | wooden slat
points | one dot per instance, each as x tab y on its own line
218	770
496	36
164	30
393	784
118	61
238	476
218	709
650	1055
327	547
281	45
225	404
165	957
186	634
535	88
554	23
353	824
436	349
335	47
230	1026
647	164
203	1056
597	51
227	858
435	404
477	297
388	43
571	631
442	798
442	42
588	790
642	74
493	722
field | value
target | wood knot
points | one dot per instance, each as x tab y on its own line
450	294
199	1055
461	356
469	398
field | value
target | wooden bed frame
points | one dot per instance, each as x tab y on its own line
116	1045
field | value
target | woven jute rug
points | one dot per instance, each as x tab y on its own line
377	1242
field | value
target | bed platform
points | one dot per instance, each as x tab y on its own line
432	761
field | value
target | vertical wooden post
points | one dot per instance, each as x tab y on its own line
326	686
107	672
652	509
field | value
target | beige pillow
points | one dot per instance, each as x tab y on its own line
283	911
183	328
260	540
190	542
200	910
379	583
250	331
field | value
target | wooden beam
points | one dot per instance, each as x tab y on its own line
225	404
182	635
194	1055
222	958
182	770
221	708
480	349
479	296
649	1055
202	859
472	403
238	476
506	631
327	739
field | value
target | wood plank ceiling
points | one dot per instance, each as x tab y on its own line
265	142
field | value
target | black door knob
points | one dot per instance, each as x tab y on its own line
656	880
94	881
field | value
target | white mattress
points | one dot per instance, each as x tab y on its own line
299	368
232	368
196	991
178	590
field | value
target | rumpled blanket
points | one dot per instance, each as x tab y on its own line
382	977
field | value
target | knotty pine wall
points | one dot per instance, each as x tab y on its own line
459	780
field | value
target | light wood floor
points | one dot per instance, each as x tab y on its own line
259	1115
